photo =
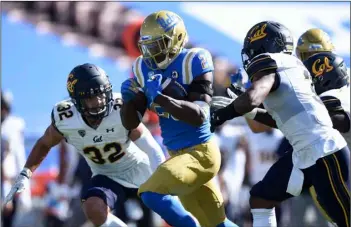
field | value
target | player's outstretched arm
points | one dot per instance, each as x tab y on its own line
247	104
142	137
253	97
255	126
195	110
42	147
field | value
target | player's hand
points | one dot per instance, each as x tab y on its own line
218	117
154	86
129	89
21	183
234	91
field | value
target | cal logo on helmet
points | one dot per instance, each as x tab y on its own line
71	82
319	68
259	33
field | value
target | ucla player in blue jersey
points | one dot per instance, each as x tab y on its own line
195	157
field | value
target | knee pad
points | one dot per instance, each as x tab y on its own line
105	194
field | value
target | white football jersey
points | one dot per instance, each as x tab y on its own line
263	147
343	94
107	149
298	111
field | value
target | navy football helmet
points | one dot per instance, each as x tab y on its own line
90	90
266	37
328	71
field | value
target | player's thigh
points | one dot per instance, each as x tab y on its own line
328	178
186	171
206	204
318	205
104	188
281	181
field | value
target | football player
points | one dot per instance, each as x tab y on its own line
184	121
319	158
90	121
312	41
331	82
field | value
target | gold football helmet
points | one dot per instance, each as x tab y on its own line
313	41
162	37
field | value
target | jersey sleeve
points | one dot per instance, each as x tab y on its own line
137	70
54	119
261	63
61	115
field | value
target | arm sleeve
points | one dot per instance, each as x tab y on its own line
153	150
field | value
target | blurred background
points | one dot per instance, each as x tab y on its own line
42	41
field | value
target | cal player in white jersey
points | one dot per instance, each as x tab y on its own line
332	84
311	43
90	121
319	158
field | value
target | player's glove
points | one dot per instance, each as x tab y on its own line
219	102
21	183
218	117
129	89
154	86
234	91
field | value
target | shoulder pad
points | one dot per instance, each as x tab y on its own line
138	71
261	63
196	62
62	113
332	103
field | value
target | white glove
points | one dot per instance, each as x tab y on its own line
21	183
231	94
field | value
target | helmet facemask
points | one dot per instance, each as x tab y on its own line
96	103
158	51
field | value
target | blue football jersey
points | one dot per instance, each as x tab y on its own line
189	64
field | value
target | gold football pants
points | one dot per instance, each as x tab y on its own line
188	174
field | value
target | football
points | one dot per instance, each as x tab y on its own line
173	89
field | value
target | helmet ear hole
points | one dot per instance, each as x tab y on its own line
180	36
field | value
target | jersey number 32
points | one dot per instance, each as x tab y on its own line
96	156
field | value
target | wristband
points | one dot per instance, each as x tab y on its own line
26	172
